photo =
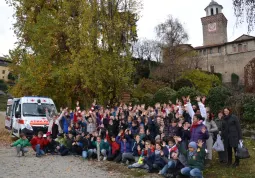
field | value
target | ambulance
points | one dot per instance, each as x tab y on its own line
27	115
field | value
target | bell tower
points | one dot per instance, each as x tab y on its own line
214	25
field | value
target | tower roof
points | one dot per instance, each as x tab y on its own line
214	3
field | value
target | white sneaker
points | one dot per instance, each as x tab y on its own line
105	158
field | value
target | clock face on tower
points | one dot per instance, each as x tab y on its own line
212	27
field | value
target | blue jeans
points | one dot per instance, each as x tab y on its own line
84	154
194	172
170	164
38	150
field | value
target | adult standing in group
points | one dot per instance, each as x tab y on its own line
219	123
231	134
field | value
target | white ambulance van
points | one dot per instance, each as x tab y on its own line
27	115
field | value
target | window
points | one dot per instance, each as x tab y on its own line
219	49
240	47
211	11
211	50
33	109
3	77
212	69
204	51
3	72
217	11
234	49
245	47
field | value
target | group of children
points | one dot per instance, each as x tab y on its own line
169	139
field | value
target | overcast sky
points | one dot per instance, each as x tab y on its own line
189	12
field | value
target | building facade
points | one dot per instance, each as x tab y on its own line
217	54
4	69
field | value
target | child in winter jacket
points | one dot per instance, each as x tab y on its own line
51	146
157	160
195	156
133	155
143	153
115	147
125	145
38	144
174	166
21	145
102	147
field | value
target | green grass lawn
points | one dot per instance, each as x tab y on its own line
3	102
217	170
245	170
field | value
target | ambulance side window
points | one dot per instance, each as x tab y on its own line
18	111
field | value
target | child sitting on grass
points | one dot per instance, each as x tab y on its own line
195	158
21	145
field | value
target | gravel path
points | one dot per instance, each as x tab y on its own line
49	166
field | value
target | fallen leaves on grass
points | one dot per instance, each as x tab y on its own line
5	138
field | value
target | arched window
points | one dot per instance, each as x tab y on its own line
217	11
211	11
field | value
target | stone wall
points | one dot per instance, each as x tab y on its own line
4	71
228	61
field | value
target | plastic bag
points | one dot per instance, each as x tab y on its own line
218	145
242	152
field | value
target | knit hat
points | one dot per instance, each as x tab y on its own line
193	145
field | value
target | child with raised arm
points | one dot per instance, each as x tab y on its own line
21	145
195	158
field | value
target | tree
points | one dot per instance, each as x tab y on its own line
3	86
182	83
165	95
147	86
176	55
147	50
203	82
217	97
245	9
73	50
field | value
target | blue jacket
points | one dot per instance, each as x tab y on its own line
158	159
134	131
66	122
124	147
134	147
196	133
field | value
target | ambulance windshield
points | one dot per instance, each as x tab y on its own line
33	109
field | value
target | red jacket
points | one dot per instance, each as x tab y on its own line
36	140
115	146
145	153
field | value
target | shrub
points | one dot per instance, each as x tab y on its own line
217	97
148	99
219	75
182	83
186	91
234	79
249	109
237	103
165	95
147	86
3	86
203	82
134	101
